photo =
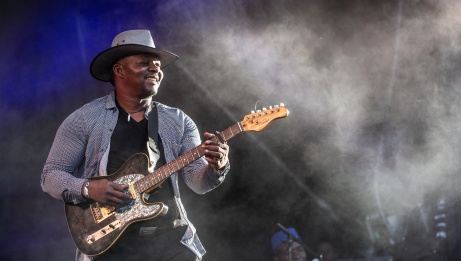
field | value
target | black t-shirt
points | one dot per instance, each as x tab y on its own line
129	138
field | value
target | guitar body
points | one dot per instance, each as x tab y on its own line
95	227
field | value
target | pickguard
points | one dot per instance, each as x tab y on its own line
135	209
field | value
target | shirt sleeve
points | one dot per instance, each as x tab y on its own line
199	175
59	175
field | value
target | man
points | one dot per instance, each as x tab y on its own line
286	248
99	137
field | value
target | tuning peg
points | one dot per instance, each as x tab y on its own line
276	106
282	105
264	109
258	111
253	112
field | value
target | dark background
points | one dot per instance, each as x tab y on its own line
369	151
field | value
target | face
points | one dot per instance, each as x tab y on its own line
139	74
297	253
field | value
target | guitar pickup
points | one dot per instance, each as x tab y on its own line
100	211
132	191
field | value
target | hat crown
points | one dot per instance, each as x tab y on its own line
140	37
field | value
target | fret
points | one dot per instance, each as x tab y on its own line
177	164
163	173
240	126
231	132
224	135
184	160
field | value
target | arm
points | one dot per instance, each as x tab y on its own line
208	172
63	174
66	159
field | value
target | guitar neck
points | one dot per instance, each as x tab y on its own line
167	170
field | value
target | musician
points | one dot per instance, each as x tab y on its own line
99	137
282	245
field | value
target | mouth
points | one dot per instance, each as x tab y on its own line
154	79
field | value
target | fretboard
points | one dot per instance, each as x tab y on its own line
180	162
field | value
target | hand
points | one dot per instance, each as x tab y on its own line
108	192
216	153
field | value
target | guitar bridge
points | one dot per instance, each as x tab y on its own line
103	232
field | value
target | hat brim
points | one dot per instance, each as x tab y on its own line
101	66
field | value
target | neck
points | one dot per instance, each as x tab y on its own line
132	104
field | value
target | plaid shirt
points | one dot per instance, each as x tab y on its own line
81	146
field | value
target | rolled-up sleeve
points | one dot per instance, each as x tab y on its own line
182	132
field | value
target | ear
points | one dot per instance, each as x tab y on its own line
118	70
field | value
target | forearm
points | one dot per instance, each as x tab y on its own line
202	178
62	185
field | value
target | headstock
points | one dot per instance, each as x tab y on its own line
257	121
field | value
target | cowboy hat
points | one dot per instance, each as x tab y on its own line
127	43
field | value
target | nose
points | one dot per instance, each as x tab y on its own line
154	66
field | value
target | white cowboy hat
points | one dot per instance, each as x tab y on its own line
127	43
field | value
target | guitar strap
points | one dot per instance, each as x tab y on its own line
152	119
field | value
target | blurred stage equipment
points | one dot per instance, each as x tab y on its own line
440	222
387	232
420	234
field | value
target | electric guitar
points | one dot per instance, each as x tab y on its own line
95	226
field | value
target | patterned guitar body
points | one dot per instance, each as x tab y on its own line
95	227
